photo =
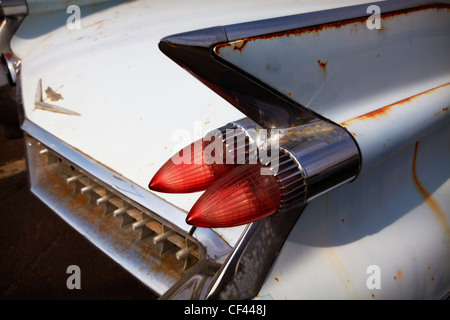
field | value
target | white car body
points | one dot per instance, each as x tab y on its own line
385	235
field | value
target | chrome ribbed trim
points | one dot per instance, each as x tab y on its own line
98	196
238	144
291	180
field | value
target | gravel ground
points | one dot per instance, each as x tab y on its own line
36	246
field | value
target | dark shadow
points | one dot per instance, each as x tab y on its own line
9	117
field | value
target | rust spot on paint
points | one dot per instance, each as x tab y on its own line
239	46
373	296
398	275
276	279
445	109
374	114
235	45
322	65
429	199
385	110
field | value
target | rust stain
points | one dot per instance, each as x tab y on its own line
429	199
385	110
341	272
239	46
398	275
276	279
235	45
99	24
322	65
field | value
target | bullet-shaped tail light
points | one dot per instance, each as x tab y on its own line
313	159
242	196
200	164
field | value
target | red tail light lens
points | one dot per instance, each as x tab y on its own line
189	170
242	196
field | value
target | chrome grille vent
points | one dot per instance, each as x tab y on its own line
104	200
